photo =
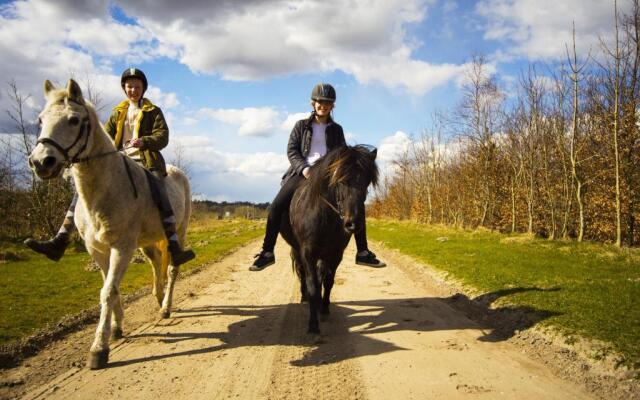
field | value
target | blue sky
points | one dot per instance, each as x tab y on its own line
233	76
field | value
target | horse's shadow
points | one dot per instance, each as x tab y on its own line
352	330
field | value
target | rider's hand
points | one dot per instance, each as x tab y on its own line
135	143
305	173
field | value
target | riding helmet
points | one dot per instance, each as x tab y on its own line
134	73
323	92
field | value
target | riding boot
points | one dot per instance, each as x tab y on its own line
178	255
54	248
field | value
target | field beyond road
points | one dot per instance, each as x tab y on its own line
582	289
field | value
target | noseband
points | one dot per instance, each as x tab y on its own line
85	129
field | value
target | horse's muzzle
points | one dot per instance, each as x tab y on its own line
48	168
349	226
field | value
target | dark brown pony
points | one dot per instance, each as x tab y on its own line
325	211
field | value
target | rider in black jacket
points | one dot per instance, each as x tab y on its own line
302	152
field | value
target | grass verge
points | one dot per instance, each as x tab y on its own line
587	289
36	292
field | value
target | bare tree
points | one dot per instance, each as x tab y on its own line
576	71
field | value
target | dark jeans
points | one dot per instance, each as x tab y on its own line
281	203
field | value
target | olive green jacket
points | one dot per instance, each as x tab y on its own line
152	130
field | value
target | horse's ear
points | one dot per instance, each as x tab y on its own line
75	93
48	87
374	153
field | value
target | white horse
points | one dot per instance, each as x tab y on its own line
115	213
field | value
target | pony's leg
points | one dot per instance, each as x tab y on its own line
330	268
299	268
313	288
118	262
168	294
327	283
173	271
102	259
155	256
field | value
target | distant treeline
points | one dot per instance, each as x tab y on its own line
235	209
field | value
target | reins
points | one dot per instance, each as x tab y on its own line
334	208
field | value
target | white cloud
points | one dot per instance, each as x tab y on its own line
539	29
222	175
255	121
367	39
204	154
391	147
291	120
252	121
162	99
57	40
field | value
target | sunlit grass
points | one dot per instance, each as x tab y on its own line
597	285
36	292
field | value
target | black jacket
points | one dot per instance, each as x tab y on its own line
300	144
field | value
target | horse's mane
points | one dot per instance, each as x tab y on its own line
342	165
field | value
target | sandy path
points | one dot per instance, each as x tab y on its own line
243	337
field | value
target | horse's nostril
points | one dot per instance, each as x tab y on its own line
30	162
49	162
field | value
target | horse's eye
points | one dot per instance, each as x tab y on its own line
73	120
40	122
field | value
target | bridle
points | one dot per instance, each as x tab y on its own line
335	208
85	129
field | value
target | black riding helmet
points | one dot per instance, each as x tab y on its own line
323	92
134	73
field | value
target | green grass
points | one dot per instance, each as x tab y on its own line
37	292
595	288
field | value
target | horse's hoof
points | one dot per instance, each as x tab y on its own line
98	360
165	314
117	333
313	330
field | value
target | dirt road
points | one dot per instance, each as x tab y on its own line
237	334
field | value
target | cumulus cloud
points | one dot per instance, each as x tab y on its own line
255	40
291	120
223	175
69	39
254	121
539	29
390	149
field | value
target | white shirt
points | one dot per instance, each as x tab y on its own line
130	129
318	142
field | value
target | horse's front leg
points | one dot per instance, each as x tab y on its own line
168	294
102	259
313	288
331	266
118	261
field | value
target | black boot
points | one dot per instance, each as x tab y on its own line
53	249
179	256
